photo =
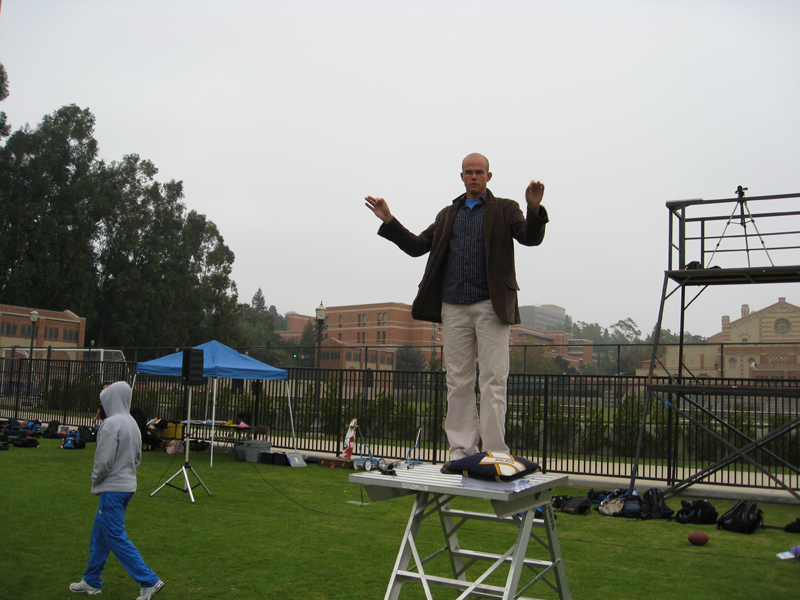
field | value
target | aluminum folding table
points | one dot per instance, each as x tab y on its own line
434	492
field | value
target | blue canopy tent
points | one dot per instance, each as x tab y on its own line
219	362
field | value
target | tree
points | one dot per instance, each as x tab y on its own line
4	126
409	358
587	331
257	303
280	320
48	212
257	325
308	344
163	274
108	242
626	331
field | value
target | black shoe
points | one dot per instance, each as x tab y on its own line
446	468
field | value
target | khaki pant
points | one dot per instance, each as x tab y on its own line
467	329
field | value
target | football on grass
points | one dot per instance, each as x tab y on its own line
698	538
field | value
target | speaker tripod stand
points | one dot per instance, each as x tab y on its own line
186	468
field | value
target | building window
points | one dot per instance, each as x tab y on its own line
379	319
732	363
783	326
9	329
51	333
383	337
26	330
340	322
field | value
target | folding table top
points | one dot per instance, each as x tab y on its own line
428	478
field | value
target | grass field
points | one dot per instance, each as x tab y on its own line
298	533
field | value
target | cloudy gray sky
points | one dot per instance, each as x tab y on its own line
279	117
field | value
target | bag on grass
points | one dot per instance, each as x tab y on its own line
611	507
25	442
557	501
743	517
793	527
199	446
596	497
654	505
632	507
576	506
73	440
88	434
52	429
699	512
175	447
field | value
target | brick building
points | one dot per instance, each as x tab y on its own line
59	330
384	327
760	345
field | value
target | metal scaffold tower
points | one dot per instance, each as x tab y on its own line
734	241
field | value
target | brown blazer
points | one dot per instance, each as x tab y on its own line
503	222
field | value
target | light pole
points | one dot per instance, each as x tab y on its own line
34	319
321	313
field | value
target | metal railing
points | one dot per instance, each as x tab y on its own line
568	423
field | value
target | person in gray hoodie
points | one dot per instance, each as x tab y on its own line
119	451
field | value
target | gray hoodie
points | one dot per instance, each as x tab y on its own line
119	443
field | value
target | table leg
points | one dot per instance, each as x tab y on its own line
555	552
408	549
451	539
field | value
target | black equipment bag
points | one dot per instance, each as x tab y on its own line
743	517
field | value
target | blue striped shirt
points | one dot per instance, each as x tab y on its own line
464	278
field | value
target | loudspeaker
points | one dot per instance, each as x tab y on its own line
192	369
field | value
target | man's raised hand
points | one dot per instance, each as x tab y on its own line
379	207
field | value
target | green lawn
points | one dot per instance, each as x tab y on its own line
293	533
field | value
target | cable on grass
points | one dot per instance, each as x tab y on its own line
292	500
174	456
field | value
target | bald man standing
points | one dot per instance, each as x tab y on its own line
470	286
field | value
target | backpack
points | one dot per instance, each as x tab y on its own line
611	507
73	441
52	429
743	517
699	512
25	442
654	505
576	506
558	501
597	497
793	527
632	507
88	434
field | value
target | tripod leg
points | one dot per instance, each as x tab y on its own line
186	479
167	482
199	480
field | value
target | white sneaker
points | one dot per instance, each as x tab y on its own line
84	588
149	592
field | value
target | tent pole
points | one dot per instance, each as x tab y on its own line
213	419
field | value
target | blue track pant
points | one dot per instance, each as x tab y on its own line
108	535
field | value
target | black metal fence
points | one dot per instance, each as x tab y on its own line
568	423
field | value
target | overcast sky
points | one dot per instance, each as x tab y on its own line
280	117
